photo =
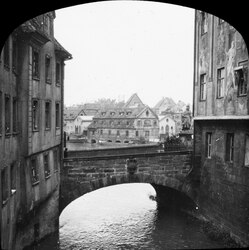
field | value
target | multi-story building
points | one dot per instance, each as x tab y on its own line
221	123
134	121
31	101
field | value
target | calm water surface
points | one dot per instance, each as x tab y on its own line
125	217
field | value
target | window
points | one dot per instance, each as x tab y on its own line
247	151
4	186
147	133
127	123
6	54
35	64
229	147
118	133
47	115
7	114
147	113
14	115
203	87
220	82
48	69
58	73
112	113
14	54
138	123
109	132
56	159
162	130
203	22
34	170
167	129
127	133
155	123
13	178
241	81
57	115
147	123
46	165
208	144
35	115
101	132
137	134
1	112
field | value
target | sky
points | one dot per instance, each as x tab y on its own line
124	47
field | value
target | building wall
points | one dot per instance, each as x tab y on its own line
221	113
220	47
30	158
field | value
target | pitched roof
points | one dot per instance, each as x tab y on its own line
134	101
71	113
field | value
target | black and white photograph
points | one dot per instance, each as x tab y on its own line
124	124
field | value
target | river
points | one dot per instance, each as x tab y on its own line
125	217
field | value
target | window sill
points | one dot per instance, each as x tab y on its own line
35	183
36	78
15	133
202	100
219	97
48	176
56	171
47	129
57	128
35	130
7	134
244	95
49	82
58	84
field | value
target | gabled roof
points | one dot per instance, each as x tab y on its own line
71	113
134	101
147	108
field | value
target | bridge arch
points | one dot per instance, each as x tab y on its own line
76	189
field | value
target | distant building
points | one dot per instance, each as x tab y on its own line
81	124
31	101
167	127
221	123
133	122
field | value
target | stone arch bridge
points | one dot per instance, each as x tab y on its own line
174	170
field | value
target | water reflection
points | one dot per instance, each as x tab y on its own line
125	217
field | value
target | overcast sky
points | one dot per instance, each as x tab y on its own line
125	47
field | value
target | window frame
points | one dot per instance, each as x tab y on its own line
203	87
56	159
34	171
13	178
57	115
48	69
46	164
1	113
35	63
14	55
204	24
246	152
208	145
48	115
244	76
229	156
58	72
35	115
7	114
4	185
220	82
14	115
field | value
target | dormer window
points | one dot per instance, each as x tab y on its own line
128	113
147	113
112	113
121	113
103	113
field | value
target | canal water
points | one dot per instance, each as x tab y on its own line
126	216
